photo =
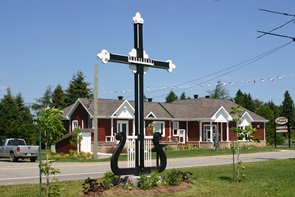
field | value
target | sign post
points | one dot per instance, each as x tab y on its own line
139	63
282	121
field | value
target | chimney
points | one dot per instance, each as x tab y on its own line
196	96
120	97
150	99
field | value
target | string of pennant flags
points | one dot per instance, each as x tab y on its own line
203	85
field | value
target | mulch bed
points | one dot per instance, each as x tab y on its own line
117	191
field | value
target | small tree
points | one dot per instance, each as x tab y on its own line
247	134
171	97
220	92
49	121
76	139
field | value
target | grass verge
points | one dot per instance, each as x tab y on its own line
269	178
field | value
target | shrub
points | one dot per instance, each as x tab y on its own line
66	156
108	179
149	181
84	155
72	152
144	182
57	156
172	178
75	156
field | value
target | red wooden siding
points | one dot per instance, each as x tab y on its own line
193	131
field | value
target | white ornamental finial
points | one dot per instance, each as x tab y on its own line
137	18
171	66
104	55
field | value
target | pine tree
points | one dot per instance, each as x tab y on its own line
171	97
182	96
239	98
44	101
78	88
58	100
287	106
16	119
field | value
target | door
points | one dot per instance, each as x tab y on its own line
122	126
207	132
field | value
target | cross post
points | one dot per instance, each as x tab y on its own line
139	63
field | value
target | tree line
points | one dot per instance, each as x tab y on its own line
16	119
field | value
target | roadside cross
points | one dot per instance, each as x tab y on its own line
139	62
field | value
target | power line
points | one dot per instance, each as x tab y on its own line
279	35
236	66
275	12
264	33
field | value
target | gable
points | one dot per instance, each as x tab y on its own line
74	107
221	115
246	119
124	111
151	115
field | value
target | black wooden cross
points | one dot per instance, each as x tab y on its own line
139	62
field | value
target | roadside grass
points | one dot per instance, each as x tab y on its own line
172	153
267	178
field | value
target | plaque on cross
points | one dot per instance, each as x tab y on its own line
139	62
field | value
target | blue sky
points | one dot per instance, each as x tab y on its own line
45	43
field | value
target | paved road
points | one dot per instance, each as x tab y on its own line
27	172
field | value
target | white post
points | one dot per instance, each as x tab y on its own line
211	132
201	131
227	132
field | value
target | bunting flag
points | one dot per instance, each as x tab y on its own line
202	85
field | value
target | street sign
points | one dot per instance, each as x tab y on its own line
281	129
281	120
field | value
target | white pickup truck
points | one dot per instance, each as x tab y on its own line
16	148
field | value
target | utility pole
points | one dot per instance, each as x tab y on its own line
95	111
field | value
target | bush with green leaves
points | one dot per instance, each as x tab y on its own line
108	179
148	181
172	177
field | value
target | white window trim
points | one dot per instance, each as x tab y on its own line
75	124
243	128
211	134
160	122
176	128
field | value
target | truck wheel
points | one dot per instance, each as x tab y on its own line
13	158
33	159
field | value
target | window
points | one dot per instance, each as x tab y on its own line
74	124
160	127
242	136
175	128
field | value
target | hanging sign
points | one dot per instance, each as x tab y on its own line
281	129
281	120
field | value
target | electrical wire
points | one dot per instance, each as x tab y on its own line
234	68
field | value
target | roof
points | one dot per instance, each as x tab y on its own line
190	109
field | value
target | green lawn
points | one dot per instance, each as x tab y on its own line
269	178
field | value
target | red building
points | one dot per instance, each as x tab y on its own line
193	121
